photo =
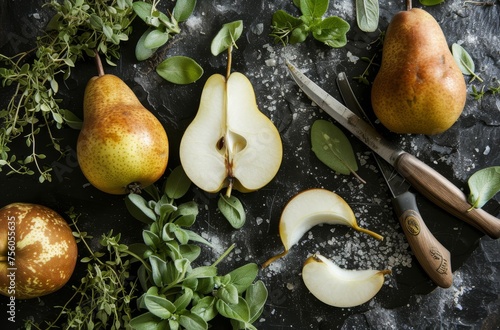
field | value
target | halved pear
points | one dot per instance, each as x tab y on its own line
340	287
310	208
230	142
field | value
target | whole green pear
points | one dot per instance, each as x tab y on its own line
419	88
122	147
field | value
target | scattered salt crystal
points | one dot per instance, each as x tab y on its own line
486	150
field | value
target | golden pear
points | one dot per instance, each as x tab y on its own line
419	88
122	147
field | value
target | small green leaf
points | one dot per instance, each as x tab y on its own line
146	321
155	39
367	15
332	147
141	51
159	306
256	297
192	321
202	272
159	270
139	209
243	276
228	293
464	61
233	210
484	185
183	300
183	9
143	10
205	308
180	70
431	2
239	311
71	119
190	251
332	31
314	8
177	184
226	37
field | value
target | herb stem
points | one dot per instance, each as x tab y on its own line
224	255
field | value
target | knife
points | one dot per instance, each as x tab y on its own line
422	177
430	253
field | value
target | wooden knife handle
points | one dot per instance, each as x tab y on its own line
432	255
443	193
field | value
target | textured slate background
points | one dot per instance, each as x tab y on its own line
409	299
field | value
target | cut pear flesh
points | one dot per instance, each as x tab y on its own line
230	142
310	208
340	287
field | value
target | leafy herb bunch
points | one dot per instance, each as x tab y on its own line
289	29
78	28
177	294
169	291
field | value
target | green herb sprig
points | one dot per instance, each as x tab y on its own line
77	29
288	29
105	297
178	294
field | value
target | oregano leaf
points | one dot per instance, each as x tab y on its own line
484	185
183	9
332	147
463	59
314	8
332	31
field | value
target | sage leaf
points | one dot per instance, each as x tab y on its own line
192	321
243	276
177	184
146	321
142	9
205	308
332	147
139	209
202	271
183	9
183	300
239	311
367	15
463	59
155	39
256	297
180	70
228	293
159	306
141	51
190	251
314	8
484	185
332	31
226	37
233	210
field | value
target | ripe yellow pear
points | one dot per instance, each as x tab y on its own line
419	88
122	147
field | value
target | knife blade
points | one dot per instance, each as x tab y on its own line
422	177
430	253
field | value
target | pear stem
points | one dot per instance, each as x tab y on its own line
408	5
100	69
229	61
369	232
273	259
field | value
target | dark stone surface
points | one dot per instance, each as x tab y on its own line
408	300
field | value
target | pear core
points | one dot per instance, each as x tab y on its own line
122	146
230	142
419	88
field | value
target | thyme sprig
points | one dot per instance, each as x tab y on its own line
78	28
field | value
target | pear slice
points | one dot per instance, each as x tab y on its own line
310	208
230	143
340	287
